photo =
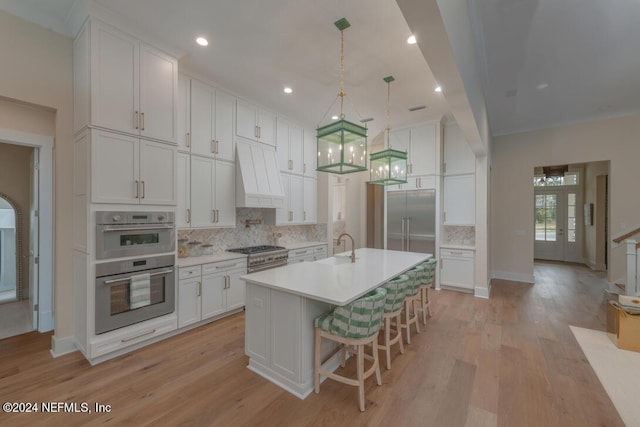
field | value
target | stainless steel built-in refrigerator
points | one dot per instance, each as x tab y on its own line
411	220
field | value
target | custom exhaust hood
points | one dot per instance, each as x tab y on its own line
258	182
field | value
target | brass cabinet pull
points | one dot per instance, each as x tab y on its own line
188	140
137	190
188	216
142	114
137	120
217	147
199	288
143	189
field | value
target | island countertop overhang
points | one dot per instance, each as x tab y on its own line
336	280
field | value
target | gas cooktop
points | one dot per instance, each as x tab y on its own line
256	249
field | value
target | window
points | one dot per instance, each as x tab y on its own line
571	217
545	214
569	178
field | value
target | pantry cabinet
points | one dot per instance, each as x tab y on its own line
132	85
458	158
130	170
255	123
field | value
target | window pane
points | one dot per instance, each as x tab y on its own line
572	224
571	236
551	235
572	199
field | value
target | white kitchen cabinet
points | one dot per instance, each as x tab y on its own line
289	146
212	193
129	170
310	153
133	86
457	157
293	210
255	123
456	268
184	113
211	122
420	144
183	208
415	182
459	200
310	195
308	254
210	290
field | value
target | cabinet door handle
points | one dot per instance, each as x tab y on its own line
255	132
142	114
304	168
213	146
199	289
143	189
290	164
213	215
137	189
138	336
188	216
304	215
188	140
290	215
137	119
228	280
217	147
259	132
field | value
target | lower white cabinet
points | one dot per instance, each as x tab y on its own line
210	290
310	254
456	268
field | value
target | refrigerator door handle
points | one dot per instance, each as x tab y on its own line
408	233
402	232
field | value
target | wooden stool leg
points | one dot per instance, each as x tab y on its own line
399	330
361	376
423	303
376	361
415	315
387	338
406	318
316	361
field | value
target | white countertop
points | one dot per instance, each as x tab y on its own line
336	280
300	245
206	259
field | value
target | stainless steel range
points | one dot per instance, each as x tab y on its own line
263	257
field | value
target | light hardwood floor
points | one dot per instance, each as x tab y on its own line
507	361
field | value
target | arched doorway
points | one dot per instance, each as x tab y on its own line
10	238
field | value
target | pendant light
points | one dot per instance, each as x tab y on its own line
389	166
342	145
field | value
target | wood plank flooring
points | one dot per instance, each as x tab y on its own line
507	361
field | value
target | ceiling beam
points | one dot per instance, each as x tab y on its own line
453	62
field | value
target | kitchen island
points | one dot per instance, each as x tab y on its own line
282	303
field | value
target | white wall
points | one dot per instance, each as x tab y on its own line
515	156
591	172
37	69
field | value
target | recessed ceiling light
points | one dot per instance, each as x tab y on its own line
542	86
288	90
411	39
334	117
202	41
438	89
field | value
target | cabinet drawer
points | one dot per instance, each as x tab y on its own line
132	335
188	272
299	253
215	267
456	253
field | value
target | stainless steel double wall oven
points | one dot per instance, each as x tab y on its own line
119	237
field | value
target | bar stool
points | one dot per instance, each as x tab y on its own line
356	324
412	296
396	289
427	282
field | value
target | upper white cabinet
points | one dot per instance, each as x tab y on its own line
458	157
183	172
211	132
132	85
310	196
459	200
300	206
212	194
255	123
130	170
184	113
310	153
289	147
420	144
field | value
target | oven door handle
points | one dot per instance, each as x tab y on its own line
167	227
128	279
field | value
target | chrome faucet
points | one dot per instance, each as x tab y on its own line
353	246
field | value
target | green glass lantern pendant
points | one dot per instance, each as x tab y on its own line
389	166
342	145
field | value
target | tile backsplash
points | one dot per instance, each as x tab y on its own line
256	234
458	235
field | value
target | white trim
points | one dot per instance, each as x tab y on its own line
594	265
513	277
46	268
482	292
62	346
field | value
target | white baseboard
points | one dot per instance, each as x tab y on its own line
45	323
595	266
514	277
482	292
62	346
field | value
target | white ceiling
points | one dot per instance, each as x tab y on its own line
586	51
257	47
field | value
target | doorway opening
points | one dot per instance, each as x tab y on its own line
10	238
571	213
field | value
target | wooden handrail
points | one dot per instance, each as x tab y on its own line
626	235
638	245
